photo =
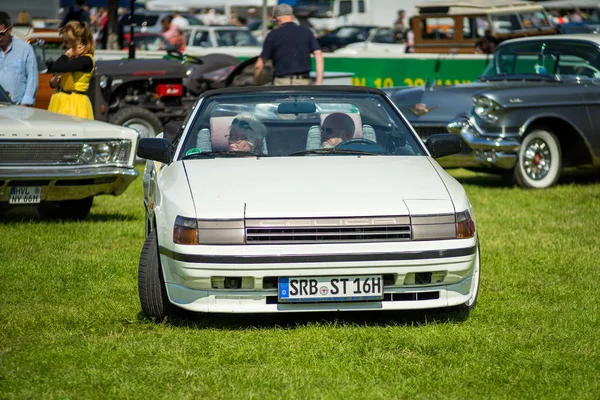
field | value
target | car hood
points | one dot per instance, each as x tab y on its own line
437	104
314	186
31	123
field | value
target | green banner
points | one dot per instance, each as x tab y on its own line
413	71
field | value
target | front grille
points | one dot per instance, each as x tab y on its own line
328	230
425	131
54	153
39	153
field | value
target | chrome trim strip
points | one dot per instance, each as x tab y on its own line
328	222
316	258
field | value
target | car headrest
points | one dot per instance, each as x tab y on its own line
355	118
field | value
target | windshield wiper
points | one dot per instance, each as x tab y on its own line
335	151
212	154
521	77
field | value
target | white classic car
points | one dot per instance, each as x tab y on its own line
235	41
58	162
286	199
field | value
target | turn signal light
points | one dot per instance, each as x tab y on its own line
185	230
465	227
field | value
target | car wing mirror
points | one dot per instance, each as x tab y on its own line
443	145
155	149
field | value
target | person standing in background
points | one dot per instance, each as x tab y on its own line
18	65
76	12
290	46
73	72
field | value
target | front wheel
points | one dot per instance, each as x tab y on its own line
151	284
540	160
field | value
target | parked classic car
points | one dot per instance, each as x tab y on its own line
539	110
384	39
232	40
452	26
345	35
58	162
291	225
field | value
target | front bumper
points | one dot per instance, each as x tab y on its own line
67	183
454	270
498	150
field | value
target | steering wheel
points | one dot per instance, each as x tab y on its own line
175	54
184	57
374	147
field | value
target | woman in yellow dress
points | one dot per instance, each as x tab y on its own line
73	72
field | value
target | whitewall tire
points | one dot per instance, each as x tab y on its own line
540	160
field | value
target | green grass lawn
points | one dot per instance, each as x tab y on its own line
71	326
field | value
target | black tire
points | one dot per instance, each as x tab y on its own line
68	209
151	285
539	162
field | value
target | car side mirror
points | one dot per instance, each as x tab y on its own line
155	149
443	145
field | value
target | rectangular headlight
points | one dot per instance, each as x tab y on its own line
438	227
202	231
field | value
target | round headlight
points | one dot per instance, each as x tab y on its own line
87	153
103	152
485	107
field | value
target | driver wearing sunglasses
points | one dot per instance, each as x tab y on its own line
246	133
336	128
18	65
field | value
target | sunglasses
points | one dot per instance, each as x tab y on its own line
330	132
4	32
241	123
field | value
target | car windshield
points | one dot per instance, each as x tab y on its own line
235	37
300	123
560	58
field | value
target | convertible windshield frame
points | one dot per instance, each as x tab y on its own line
290	130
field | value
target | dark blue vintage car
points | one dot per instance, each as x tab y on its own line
534	110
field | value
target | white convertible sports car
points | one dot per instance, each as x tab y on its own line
58	162
288	199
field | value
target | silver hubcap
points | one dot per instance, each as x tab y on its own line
143	127
537	159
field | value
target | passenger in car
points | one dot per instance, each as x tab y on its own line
246	133
336	128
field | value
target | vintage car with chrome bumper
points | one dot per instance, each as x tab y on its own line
59	163
498	150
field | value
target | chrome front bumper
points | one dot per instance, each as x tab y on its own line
498	151
67	183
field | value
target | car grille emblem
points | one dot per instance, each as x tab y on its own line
421	109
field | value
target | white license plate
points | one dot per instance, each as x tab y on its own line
331	288
25	195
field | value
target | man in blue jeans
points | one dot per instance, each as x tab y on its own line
290	46
18	65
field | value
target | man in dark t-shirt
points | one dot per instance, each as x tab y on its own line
290	46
